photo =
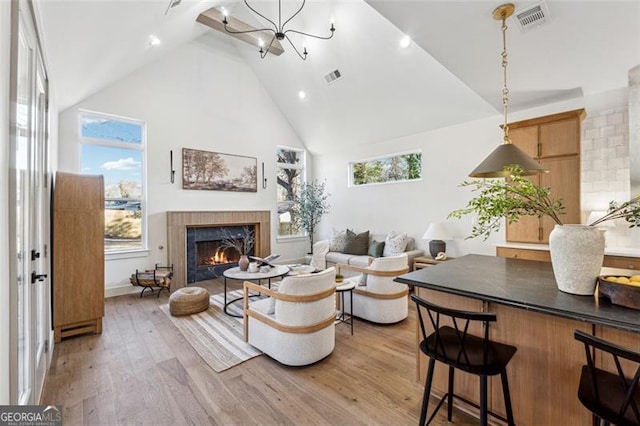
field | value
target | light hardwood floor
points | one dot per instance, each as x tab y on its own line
140	370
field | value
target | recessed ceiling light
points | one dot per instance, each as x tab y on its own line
154	41
405	42
302	94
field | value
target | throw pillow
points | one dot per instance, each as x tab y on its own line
395	244
356	244
376	248
337	240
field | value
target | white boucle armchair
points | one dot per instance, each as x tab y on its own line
295	324
380	300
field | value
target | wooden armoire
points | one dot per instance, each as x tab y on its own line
78	254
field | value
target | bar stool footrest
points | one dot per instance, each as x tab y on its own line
466	401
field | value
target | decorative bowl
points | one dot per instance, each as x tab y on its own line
622	294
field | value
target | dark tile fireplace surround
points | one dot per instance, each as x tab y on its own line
207	258
196	223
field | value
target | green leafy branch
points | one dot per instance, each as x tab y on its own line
629	211
509	198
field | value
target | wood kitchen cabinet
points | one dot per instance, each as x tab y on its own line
78	254
542	255
535	317
536	373
554	141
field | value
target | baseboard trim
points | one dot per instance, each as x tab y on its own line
120	290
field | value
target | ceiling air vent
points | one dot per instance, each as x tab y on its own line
333	76
532	17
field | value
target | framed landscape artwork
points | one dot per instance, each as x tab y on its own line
215	171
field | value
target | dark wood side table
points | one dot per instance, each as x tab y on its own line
341	289
426	261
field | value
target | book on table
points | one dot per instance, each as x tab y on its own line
265	261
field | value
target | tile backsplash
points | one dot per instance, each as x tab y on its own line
605	168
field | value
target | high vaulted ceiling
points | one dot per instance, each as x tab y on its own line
450	74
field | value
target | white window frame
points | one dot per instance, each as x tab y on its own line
302	165
123	145
350	170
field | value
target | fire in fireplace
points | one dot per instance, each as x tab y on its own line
213	253
207	256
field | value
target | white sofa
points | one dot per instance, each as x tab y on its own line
322	258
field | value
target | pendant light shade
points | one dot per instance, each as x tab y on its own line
506	154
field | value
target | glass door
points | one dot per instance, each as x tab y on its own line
39	256
29	219
22	214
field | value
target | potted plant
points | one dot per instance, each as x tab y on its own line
576	250
309	207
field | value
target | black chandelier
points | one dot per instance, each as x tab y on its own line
279	32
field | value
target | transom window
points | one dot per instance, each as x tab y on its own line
115	148
290	173
401	167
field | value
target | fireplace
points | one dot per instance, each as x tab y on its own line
181	223
207	255
212	253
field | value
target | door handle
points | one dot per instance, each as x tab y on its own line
37	277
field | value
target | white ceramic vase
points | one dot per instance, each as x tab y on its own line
577	252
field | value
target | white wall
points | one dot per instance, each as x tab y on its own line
202	96
448	156
5	38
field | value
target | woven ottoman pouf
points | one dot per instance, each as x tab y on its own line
188	300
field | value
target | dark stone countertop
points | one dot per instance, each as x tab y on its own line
522	284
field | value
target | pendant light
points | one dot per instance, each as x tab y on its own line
507	153
278	31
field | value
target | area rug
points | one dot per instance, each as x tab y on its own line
216	336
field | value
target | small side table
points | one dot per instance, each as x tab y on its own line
426	261
346	286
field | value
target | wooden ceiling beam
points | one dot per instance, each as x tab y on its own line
213	17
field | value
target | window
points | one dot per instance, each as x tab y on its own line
115	148
394	168
291	173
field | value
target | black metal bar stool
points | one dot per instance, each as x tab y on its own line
457	348
611	398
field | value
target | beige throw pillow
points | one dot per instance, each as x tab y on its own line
338	240
395	244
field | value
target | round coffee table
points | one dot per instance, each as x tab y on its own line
238	275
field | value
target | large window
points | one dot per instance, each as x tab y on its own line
115	148
291	173
394	168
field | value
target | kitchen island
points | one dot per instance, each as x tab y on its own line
538	319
